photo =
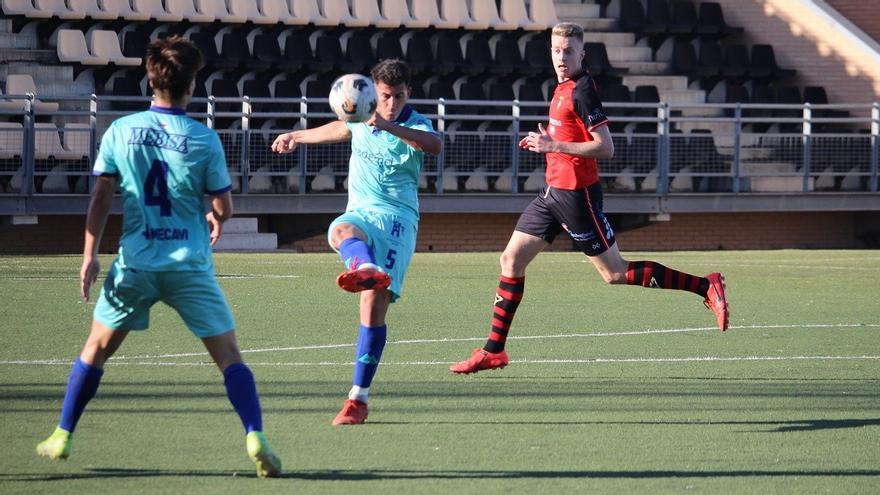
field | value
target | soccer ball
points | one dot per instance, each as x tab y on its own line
353	98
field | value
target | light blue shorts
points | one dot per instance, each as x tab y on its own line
128	295
392	239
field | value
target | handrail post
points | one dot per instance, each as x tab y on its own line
875	144
514	157
808	143
737	141
441	158
28	147
303	150
211	110
244	159
93	140
663	149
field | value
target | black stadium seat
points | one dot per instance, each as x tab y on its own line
298	51
596	58
449	52
359	52
478	57
537	54
763	63
684	59
712	21
684	19
710	60
388	47
736	61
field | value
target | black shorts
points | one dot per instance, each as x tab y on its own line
578	212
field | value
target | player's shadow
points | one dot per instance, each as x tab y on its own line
781	426
378	475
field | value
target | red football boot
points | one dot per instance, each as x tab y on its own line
354	412
716	299
481	360
363	278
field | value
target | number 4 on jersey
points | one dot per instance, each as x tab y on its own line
156	188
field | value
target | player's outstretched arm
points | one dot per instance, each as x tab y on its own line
333	132
428	142
221	211
99	209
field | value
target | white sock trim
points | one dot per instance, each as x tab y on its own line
359	393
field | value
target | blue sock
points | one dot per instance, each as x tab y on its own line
242	392
371	342
355	252
81	387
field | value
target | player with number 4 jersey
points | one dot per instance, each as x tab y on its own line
376	236
164	164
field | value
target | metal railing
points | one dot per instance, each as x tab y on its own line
660	148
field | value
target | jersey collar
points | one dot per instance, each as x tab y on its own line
576	76
168	110
404	115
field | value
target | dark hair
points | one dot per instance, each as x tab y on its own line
392	72
172	64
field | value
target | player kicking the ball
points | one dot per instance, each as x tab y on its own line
575	138
376	236
164	164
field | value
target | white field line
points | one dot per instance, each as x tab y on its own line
513	337
221	276
122	359
515	361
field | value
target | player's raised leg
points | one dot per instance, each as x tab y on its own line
616	270
362	272
520	251
82	384
242	392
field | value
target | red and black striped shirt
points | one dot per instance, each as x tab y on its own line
574	111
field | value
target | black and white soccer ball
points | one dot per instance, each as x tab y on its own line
353	98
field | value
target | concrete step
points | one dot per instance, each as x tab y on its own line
5	25
43	73
17	41
759	168
599	24
570	11
682	96
240	234
27	54
618	54
241	225
247	242
610	39
662	83
644	68
780	184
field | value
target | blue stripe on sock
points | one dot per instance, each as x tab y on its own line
242	392
355	252
82	383
371	342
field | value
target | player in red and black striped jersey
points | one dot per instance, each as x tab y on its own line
576	136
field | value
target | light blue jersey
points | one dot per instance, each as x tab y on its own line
383	173
165	162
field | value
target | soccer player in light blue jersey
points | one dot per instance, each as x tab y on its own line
164	163
376	236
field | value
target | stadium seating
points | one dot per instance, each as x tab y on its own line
513	12
105	45
71	47
22	84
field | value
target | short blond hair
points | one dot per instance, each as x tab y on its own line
568	30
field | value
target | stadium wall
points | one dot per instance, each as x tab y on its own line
489	232
865	15
821	51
